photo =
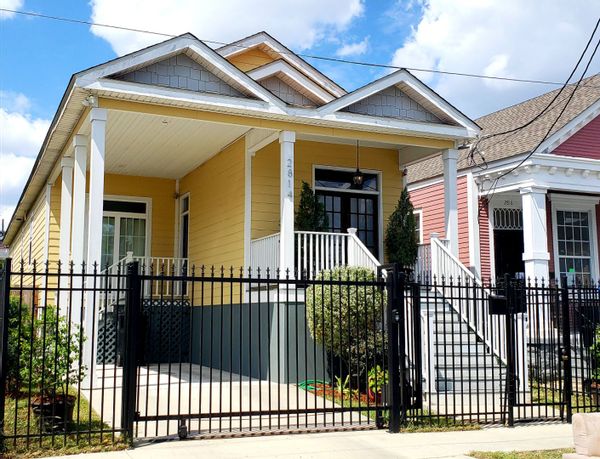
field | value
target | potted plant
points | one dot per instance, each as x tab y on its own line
401	241
377	380
595	361
54	369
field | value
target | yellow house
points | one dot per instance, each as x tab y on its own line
180	155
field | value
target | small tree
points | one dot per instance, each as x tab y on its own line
400	236
311	214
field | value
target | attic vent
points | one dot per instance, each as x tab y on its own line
508	219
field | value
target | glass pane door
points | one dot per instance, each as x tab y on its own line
352	210
108	242
132	236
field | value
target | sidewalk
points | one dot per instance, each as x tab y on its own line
362	444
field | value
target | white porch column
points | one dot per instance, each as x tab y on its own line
64	242
94	236
80	150
535	236
450	158
96	194
286	237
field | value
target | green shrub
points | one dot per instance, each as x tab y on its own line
347	319
41	351
401	241
311	215
19	344
595	355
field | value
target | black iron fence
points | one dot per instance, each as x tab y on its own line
103	356
505	352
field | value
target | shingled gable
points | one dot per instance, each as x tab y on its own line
400	95
176	58
277	51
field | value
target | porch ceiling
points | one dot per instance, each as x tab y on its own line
161	146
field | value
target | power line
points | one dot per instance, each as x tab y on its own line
556	96
570	97
306	56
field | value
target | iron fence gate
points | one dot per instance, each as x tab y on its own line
262	353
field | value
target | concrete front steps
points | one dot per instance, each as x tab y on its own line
460	360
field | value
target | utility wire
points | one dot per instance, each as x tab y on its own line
534	150
306	56
556	96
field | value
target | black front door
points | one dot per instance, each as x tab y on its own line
353	210
508	252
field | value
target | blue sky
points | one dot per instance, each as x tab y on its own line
512	38
56	49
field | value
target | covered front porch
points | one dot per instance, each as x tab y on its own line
173	189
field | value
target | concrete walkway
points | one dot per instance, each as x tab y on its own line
364	444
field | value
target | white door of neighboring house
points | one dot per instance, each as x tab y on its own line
124	229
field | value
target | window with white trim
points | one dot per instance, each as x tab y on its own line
574	245
184	225
418	214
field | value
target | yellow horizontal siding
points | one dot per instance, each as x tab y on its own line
250	59
162	193
265	177
216	231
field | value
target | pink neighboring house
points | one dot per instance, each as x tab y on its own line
540	220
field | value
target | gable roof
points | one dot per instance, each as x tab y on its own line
293	77
278	51
103	81
193	48
584	104
413	88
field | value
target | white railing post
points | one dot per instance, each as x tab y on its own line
435	274
351	247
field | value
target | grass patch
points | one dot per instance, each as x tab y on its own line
77	439
542	454
549	394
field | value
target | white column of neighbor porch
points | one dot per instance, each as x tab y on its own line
535	233
287	140
450	160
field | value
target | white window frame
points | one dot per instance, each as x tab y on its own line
147	216
579	204
419	213
378	193
180	221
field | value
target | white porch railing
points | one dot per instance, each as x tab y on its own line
446	271
422	268
314	252
113	278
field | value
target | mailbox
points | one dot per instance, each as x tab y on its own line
515	303
498	304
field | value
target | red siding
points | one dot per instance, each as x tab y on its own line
430	200
484	239
584	143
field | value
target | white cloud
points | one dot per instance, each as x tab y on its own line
9	5
509	38
21	136
354	49
297	23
